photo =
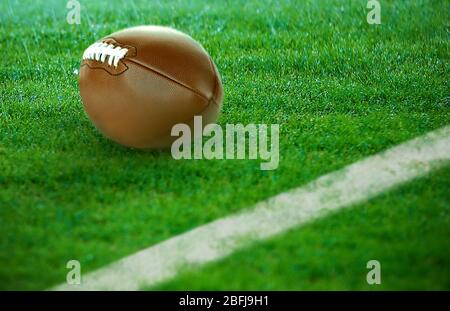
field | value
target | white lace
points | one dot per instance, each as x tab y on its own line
100	50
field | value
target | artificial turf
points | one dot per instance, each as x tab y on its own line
339	88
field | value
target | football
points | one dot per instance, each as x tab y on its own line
137	83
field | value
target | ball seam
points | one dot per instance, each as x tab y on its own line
167	77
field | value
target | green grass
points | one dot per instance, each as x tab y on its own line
339	88
406	230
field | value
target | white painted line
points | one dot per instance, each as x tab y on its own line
353	184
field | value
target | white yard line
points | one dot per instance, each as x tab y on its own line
350	185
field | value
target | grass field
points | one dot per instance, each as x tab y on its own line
340	89
332	252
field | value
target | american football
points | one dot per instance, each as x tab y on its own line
139	82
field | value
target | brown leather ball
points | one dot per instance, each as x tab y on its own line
138	82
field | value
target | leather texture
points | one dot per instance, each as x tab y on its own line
165	78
